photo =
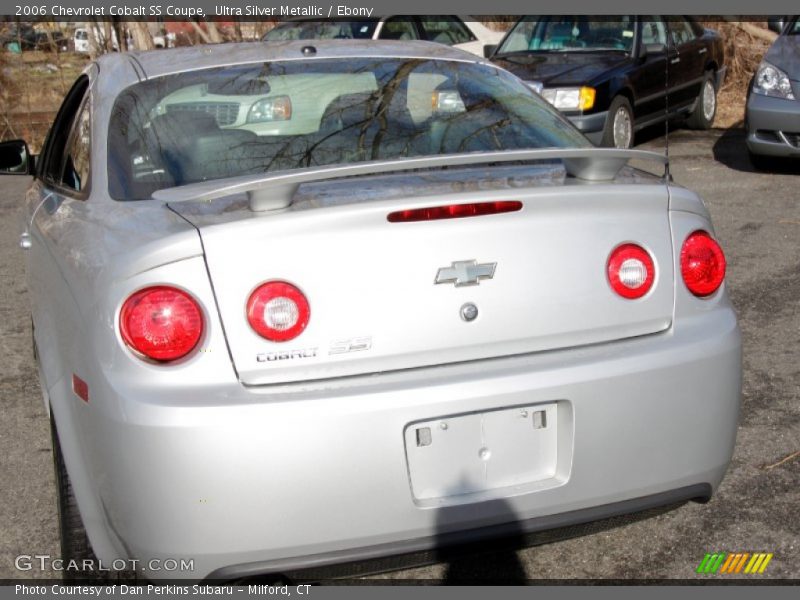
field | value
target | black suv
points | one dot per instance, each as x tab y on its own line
25	37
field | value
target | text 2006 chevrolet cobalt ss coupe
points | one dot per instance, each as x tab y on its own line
406	305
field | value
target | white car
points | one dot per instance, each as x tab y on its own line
451	30
81	40
164	39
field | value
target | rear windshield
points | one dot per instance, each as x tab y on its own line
794	28
321	30
255	118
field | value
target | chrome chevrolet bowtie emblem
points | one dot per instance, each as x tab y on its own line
465	272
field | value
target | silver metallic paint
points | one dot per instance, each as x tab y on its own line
206	460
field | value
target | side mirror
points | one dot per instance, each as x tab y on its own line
489	50
648	49
775	24
15	158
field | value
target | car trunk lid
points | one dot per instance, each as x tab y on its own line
372	285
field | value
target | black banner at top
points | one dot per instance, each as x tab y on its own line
283	9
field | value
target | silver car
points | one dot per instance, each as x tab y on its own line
772	114
435	316
462	32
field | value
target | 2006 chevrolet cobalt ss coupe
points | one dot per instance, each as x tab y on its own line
405	305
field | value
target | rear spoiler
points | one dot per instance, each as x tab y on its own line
272	191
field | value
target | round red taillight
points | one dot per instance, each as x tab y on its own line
278	311
631	271
161	322
702	264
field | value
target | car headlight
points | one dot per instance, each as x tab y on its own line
771	81
581	98
447	102
278	108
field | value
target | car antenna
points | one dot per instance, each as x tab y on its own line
667	174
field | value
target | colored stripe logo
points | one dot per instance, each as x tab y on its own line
726	563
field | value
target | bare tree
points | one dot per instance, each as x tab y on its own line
102	37
209	35
141	36
213	32
204	37
8	95
119	33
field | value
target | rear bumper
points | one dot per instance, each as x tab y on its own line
243	481
773	126
513	535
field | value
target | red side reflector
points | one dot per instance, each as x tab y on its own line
454	211
80	387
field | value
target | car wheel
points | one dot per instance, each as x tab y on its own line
618	132
706	108
75	544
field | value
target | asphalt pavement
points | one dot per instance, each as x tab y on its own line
756	509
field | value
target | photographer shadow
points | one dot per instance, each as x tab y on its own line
486	555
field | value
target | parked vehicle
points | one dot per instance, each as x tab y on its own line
18	37
164	39
459	32
26	37
85	39
269	112
613	76
437	316
772	114
80	40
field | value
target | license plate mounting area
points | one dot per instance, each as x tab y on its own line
459	455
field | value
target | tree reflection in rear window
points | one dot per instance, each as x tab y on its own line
256	118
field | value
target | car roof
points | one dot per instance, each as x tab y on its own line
156	63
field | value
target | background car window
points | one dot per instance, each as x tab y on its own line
519	37
681	30
654	31
571	33
75	173
399	28
445	30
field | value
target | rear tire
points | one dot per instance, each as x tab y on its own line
75	544
706	108
619	129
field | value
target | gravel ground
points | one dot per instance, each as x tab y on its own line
757	219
